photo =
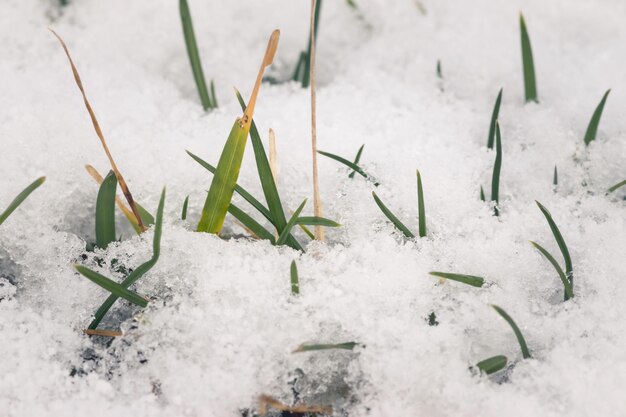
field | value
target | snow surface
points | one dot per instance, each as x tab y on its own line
223	323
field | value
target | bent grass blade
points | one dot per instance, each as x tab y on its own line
472	280
516	330
592	128
20	198
396	222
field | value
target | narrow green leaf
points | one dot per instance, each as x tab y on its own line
297	74
349	164
316	221
516	330
357	160
251	224
592	129
307	63
295	282
105	211
20	198
213	95
439	72
494	119
307	231
560	241
493	364
112	286
309	348
146	217
497	166
555	179
610	190
183	215
140	270
472	280
569	291
530	84
482	194
292	221
396	222
194	56
420	205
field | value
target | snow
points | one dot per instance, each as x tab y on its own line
222	325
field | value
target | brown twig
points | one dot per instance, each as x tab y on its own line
96	125
273	159
106	333
266	402
317	203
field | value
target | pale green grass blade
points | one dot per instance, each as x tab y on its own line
112	286
105	211
20	198
569	291
516	330
295	281
560	241
357	159
349	164
497	166
592	128
140	270
314	347
472	280
530	83
421	206
610	190
183	215
396	222
194	56
251	224
494	119
292	221
493	364
316	221
146	217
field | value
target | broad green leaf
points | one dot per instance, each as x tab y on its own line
349	164
396	222
20	198
316	221
530	84
569	291
493	364
516	330
312	347
494	119
569	270
472	280
421	206
112	286
105	211
292	221
295	282
497	166
592	128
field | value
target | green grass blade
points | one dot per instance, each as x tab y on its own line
493	364
357	159
316	221
439	72
140	270
530	84
516	330
268	184
307	231
105	211
349	164
183	215
309	348
112	286
307	63
610	190
494	119
420	205
560	241
146	217
213	95
555	178
299	67
251	224
295	282
497	166
292	221
569	291
482	194
472	280
194	56
396	222
592	129
20	198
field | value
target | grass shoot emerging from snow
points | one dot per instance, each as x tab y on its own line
20	198
530	83
351	165
497	167
516	330
472	280
392	218
295	281
592	128
493	364
494	120
105	211
312	347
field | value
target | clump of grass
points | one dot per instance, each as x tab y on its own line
592	128
530	83
295	281
121	289
20	198
567	276
352	165
96	125
494	120
324	346
302	73
516	330
473	280
492	365
208	99
616	186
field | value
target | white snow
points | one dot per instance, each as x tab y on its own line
223	323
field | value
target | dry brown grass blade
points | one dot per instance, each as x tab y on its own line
268	58
106	333
96	125
273	159
96	176
317	202
266	402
